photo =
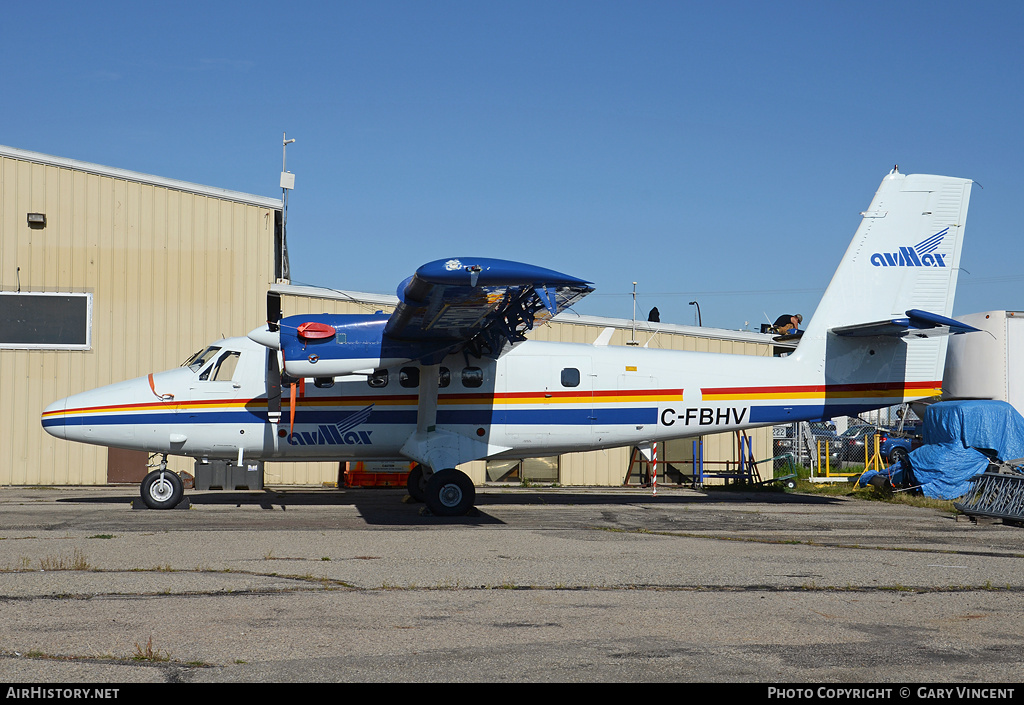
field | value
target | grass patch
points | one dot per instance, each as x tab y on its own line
76	561
869	494
148	653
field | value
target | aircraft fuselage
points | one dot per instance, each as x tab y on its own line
538	399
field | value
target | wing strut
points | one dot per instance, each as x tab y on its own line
440	449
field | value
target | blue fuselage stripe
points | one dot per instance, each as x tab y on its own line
483	416
788	413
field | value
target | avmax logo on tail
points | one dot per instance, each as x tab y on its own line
922	254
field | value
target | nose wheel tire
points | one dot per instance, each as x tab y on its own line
162	489
449	493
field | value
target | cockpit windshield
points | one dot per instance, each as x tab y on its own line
195	362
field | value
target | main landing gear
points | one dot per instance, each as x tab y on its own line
447	493
417	483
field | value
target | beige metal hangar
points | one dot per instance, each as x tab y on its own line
114	274
605	467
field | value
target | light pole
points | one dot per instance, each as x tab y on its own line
699	322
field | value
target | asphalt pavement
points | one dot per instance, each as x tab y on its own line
537	585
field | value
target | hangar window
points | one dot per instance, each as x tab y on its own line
47	321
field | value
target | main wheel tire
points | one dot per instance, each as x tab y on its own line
449	493
162	489
417	483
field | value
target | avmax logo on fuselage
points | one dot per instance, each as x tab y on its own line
922	254
336	434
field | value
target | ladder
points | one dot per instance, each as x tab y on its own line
806	439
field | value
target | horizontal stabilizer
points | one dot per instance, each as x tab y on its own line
917	323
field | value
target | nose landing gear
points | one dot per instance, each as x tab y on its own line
162	488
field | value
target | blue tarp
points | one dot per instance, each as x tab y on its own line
959	439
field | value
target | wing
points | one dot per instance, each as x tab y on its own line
477	304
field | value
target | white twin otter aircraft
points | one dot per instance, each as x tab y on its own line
449	377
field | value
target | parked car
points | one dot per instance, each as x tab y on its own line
893	446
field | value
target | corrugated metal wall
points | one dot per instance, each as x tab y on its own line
169	270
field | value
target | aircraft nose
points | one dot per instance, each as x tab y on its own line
53	418
103	416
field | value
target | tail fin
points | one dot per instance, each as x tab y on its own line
904	257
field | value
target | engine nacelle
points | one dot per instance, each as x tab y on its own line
332	345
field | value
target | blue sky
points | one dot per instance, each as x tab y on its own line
712	151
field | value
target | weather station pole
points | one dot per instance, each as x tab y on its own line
287	184
632	339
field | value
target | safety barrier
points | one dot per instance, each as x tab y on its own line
995	494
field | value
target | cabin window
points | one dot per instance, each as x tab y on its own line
323	382
378	379
409	377
444	377
45	321
570	377
472	377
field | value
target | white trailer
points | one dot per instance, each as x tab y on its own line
989	364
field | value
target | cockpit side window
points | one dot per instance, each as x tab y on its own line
223	369
196	362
